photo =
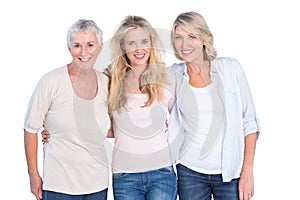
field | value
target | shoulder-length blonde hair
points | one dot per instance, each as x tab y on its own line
194	23
152	79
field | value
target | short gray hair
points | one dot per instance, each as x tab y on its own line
84	25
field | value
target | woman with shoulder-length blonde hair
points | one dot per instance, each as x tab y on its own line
141	96
220	125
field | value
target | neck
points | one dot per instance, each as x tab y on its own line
200	67
138	70
199	74
77	70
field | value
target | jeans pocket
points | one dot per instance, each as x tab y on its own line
119	175
166	170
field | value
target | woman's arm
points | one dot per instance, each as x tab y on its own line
246	183
31	144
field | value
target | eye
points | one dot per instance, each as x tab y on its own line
146	41
131	43
193	37
177	37
76	45
90	44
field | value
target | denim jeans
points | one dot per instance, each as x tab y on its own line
195	185
49	195
151	185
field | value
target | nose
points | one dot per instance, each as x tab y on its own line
185	43
83	50
138	47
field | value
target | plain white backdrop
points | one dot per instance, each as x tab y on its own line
262	35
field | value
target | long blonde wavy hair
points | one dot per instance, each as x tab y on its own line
151	81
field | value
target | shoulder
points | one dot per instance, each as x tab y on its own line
57	71
178	69
171	76
53	76
170	72
227	65
177	66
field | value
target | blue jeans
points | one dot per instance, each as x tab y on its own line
151	185
195	185
49	195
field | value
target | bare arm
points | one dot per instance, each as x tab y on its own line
31	144
246	184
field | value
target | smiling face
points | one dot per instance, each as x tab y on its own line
188	45
84	49
137	45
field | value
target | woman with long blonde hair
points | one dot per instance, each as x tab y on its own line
141	97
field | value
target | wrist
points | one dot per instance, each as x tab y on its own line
33	173
247	170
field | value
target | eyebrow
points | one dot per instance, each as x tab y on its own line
87	42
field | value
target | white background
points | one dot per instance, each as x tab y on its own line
263	35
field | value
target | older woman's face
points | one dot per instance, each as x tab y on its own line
188	46
137	45
85	49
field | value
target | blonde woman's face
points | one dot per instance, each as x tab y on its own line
85	49
137	45
188	46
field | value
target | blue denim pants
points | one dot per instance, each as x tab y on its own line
151	185
193	185
50	195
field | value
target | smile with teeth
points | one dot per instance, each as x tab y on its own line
186	52
139	56
85	59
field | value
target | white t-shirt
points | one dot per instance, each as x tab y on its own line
141	134
202	148
75	161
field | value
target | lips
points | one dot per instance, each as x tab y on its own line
84	60
187	52
139	56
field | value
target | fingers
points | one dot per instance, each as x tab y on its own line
45	140
241	196
45	132
40	193
245	195
246	186
38	196
110	134
45	136
36	186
